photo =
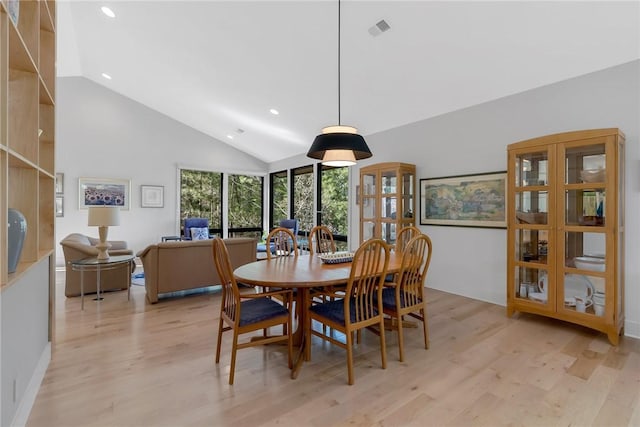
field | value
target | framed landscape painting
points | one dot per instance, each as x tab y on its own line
465	201
104	192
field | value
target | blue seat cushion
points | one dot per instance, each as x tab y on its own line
334	311
260	309
262	247
389	298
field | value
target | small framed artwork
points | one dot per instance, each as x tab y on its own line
59	183
59	206
465	201
104	192
152	196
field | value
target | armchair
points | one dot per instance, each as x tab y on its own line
190	223
78	246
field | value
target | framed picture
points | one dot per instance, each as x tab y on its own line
59	206
104	192
152	196
465	201
59	183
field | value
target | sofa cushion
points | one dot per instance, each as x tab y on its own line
199	233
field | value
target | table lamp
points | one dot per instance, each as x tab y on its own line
103	217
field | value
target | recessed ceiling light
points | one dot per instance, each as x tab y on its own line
230	136
106	76
274	111
108	12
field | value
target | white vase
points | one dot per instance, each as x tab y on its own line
17	231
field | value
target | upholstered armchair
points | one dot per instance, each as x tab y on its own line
78	246
198	223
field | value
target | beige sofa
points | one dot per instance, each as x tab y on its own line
181	265
78	246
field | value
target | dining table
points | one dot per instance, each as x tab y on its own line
301	273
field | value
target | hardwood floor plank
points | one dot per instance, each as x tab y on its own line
130	363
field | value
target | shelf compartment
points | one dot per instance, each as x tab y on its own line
28	26
46	211
47	19
46	141
23	114
23	183
47	60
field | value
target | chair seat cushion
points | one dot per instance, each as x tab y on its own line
334	311
389	298
260	309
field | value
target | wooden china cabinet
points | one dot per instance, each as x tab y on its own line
566	228
387	200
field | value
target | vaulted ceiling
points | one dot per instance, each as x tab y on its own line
220	66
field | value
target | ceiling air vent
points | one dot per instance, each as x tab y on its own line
379	28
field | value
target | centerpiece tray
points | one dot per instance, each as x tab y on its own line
337	257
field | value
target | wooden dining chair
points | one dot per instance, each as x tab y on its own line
281	242
321	240
404	236
407	296
245	313
359	309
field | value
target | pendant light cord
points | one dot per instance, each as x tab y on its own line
339	99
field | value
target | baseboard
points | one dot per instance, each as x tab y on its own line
30	394
631	329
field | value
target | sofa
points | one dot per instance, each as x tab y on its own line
182	265
78	246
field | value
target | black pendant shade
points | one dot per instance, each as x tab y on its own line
339	141
339	145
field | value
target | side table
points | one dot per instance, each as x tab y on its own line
97	265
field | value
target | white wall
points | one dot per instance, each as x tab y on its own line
105	135
472	261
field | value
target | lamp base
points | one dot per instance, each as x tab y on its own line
103	246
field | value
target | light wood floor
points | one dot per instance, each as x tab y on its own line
123	363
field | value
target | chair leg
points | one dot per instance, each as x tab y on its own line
233	356
221	325
400	339
425	327
349	357
383	344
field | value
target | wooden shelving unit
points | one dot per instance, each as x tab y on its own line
566	228
27	130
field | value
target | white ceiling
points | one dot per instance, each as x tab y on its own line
219	66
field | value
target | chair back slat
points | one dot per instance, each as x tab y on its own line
321	240
230	291
415	263
283	242
369	268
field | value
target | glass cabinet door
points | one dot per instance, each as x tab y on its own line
532	229
583	288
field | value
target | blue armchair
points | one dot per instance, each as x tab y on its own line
190	223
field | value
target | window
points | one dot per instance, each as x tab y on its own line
333	202
245	206
302	197
201	197
279	207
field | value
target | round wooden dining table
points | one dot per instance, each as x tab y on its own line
301	273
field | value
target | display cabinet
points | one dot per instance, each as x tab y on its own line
387	200
27	129
566	228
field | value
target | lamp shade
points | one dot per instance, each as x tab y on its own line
104	216
342	146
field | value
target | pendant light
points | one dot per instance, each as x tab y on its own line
339	145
